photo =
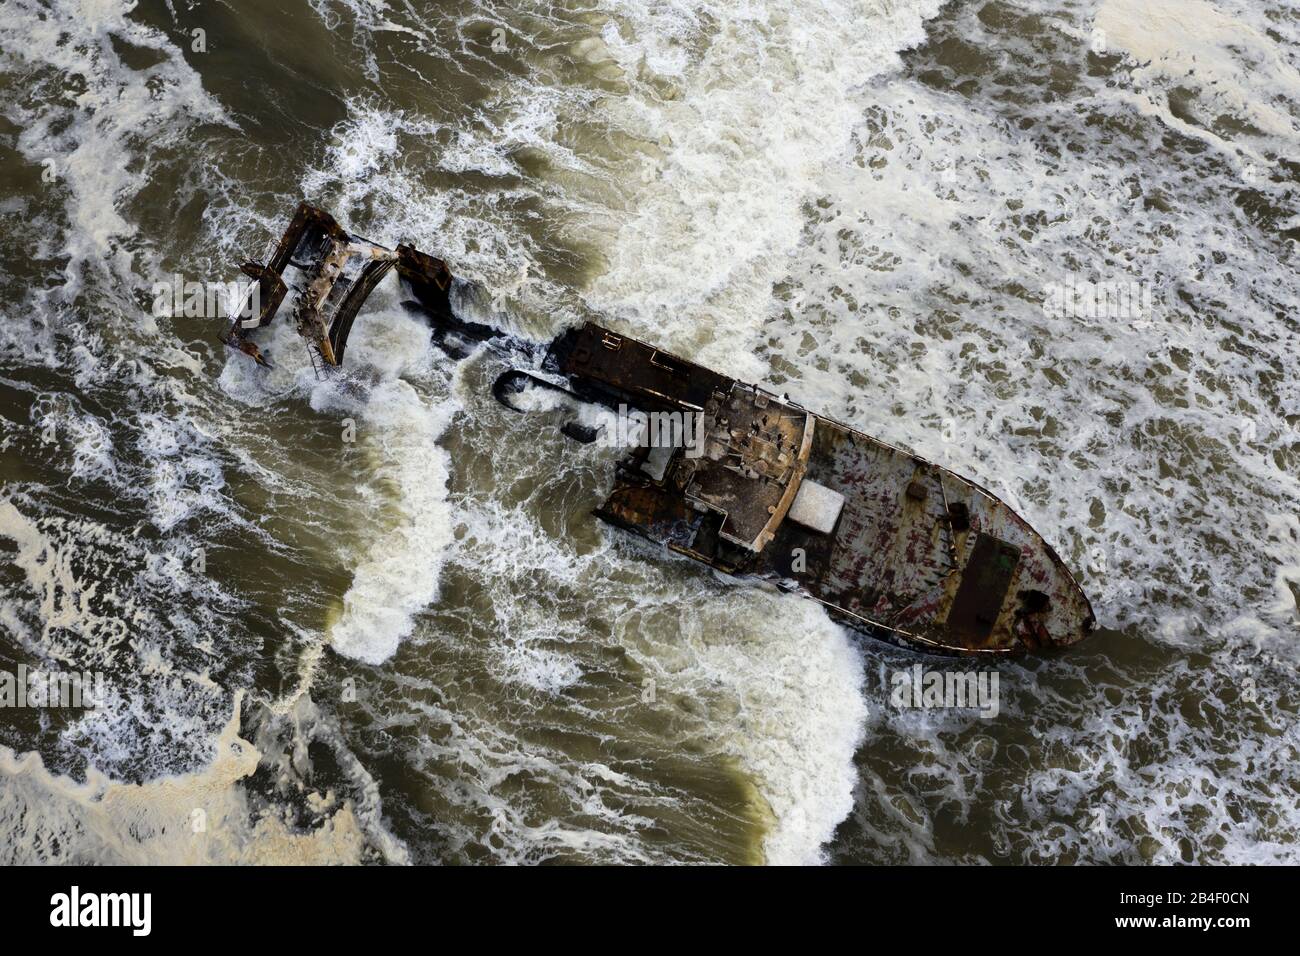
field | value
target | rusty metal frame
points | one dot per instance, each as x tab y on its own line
340	271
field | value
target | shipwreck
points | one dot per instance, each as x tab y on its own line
752	485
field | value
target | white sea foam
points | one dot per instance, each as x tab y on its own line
69	46
398	575
1233	66
199	817
158	721
767	105
799	711
394	428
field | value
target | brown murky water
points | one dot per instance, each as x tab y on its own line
420	646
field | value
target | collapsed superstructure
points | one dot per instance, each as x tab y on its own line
887	542
339	271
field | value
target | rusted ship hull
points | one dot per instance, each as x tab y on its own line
900	547
887	542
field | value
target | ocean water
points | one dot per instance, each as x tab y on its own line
372	619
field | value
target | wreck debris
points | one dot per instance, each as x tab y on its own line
887	542
338	272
